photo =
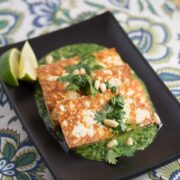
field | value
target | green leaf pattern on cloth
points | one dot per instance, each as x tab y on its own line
9	151
18	158
10	21
154	28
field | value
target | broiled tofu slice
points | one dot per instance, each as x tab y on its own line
77	119
52	89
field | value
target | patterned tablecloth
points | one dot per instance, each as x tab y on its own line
153	26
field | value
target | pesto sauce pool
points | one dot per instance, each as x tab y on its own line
142	136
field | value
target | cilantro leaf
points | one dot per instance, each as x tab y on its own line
92	89
72	87
113	89
113	110
67	78
111	157
117	101
84	83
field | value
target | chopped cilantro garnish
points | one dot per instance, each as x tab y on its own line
113	110
113	89
117	101
83	83
107	85
67	78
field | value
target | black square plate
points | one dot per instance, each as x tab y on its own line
104	30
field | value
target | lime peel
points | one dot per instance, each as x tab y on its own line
9	63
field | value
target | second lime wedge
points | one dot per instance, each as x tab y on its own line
9	66
28	64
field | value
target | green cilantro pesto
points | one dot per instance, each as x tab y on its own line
44	113
142	136
69	51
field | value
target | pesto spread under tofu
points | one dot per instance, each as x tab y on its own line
119	116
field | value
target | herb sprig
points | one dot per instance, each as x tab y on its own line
83	83
113	110
113	88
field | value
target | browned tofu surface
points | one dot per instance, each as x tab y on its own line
77	119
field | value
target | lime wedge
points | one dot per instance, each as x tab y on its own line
9	66
28	64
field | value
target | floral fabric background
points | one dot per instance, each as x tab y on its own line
152	25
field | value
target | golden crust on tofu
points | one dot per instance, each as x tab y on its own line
77	119
76	113
109	57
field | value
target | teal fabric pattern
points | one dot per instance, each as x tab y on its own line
154	28
19	158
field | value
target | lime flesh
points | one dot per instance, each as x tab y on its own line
28	64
